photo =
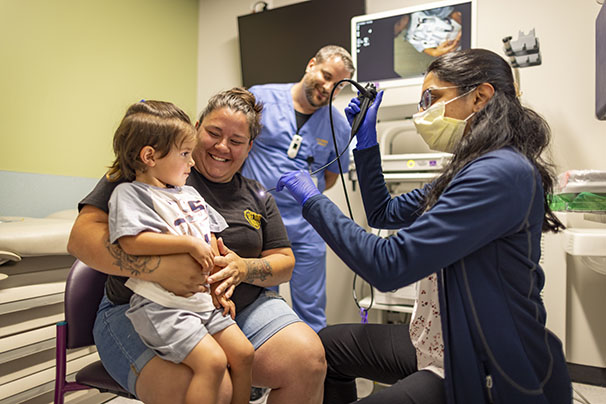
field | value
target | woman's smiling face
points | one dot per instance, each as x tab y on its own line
223	144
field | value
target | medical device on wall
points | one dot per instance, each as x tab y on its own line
524	51
394	48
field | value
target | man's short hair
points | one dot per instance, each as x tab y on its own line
329	51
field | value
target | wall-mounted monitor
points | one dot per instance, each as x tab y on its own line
394	48
275	45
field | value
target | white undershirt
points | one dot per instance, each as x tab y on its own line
426	328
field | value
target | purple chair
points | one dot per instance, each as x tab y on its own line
83	292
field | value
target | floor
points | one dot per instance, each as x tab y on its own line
583	393
587	394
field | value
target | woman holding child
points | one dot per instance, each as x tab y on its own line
255	253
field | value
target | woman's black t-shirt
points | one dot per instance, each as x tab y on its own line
255	225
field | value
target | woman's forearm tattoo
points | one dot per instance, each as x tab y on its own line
134	264
258	269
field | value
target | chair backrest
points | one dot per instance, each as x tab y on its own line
83	292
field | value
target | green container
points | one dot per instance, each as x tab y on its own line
581	202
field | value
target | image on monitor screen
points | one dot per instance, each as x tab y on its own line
394	48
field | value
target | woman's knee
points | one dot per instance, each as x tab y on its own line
294	353
318	358
161	381
308	352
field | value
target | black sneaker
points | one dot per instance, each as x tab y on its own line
258	395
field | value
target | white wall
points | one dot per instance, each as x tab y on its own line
562	89
219	51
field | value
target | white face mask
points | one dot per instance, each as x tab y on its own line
441	133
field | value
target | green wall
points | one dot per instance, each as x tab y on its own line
70	68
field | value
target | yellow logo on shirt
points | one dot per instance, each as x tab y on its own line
253	218
322	142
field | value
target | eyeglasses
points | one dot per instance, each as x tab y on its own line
427	97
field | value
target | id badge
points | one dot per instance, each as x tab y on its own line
295	145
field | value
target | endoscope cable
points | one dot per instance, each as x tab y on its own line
368	94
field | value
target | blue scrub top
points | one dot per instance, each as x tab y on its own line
268	158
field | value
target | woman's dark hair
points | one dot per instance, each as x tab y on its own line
158	124
502	122
237	99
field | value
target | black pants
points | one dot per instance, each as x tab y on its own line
379	352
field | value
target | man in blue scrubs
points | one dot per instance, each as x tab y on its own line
296	135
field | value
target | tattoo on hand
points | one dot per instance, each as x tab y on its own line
135	264
258	269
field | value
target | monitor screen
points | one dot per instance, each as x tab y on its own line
275	45
394	48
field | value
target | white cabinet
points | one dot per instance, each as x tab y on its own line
574	262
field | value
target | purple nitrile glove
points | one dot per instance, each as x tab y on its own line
300	185
366	136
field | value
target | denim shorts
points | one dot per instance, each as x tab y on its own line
124	354
264	317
